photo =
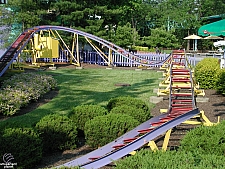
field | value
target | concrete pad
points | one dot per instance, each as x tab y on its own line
79	68
202	99
155	99
52	67
109	68
138	69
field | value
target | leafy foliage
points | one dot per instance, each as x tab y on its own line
129	101
125	36
220	82
93	17
57	132
206	72
104	129
161	38
136	113
205	140
83	113
24	144
20	89
170	160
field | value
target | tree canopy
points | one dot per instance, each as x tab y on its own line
162	23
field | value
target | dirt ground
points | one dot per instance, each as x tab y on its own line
213	108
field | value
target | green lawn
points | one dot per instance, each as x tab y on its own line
90	86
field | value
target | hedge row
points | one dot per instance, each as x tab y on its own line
57	132
20	89
24	144
27	145
202	147
207	140
146	159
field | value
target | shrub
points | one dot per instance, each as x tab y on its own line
57	132
83	113
63	167
136	113
170	160
129	101
104	129
220	82
20	89
206	72
24	144
206	140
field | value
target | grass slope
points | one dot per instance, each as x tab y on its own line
90	86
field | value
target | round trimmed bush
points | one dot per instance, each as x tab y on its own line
205	140
129	101
104	129
136	113
24	144
206	72
83	113
57	132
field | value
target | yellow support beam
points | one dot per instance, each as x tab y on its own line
153	146
166	140
133	152
163	110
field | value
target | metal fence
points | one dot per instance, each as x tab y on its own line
92	57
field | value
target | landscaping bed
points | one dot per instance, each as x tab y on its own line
212	109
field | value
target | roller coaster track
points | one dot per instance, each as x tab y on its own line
181	108
15	49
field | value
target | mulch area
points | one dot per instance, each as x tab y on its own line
213	108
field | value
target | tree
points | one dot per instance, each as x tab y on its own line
124	36
161	38
25	12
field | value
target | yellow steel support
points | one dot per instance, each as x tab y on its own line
73	44
98	51
61	47
166	140
205	121
163	110
110	57
77	51
133	152
76	62
163	92
153	146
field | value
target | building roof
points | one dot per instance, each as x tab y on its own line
215	28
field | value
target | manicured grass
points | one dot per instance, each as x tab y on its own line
90	86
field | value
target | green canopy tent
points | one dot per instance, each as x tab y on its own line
215	28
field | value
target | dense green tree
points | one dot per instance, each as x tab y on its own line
161	38
106	18
124	36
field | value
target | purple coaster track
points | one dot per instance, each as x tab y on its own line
107	155
15	49
176	114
